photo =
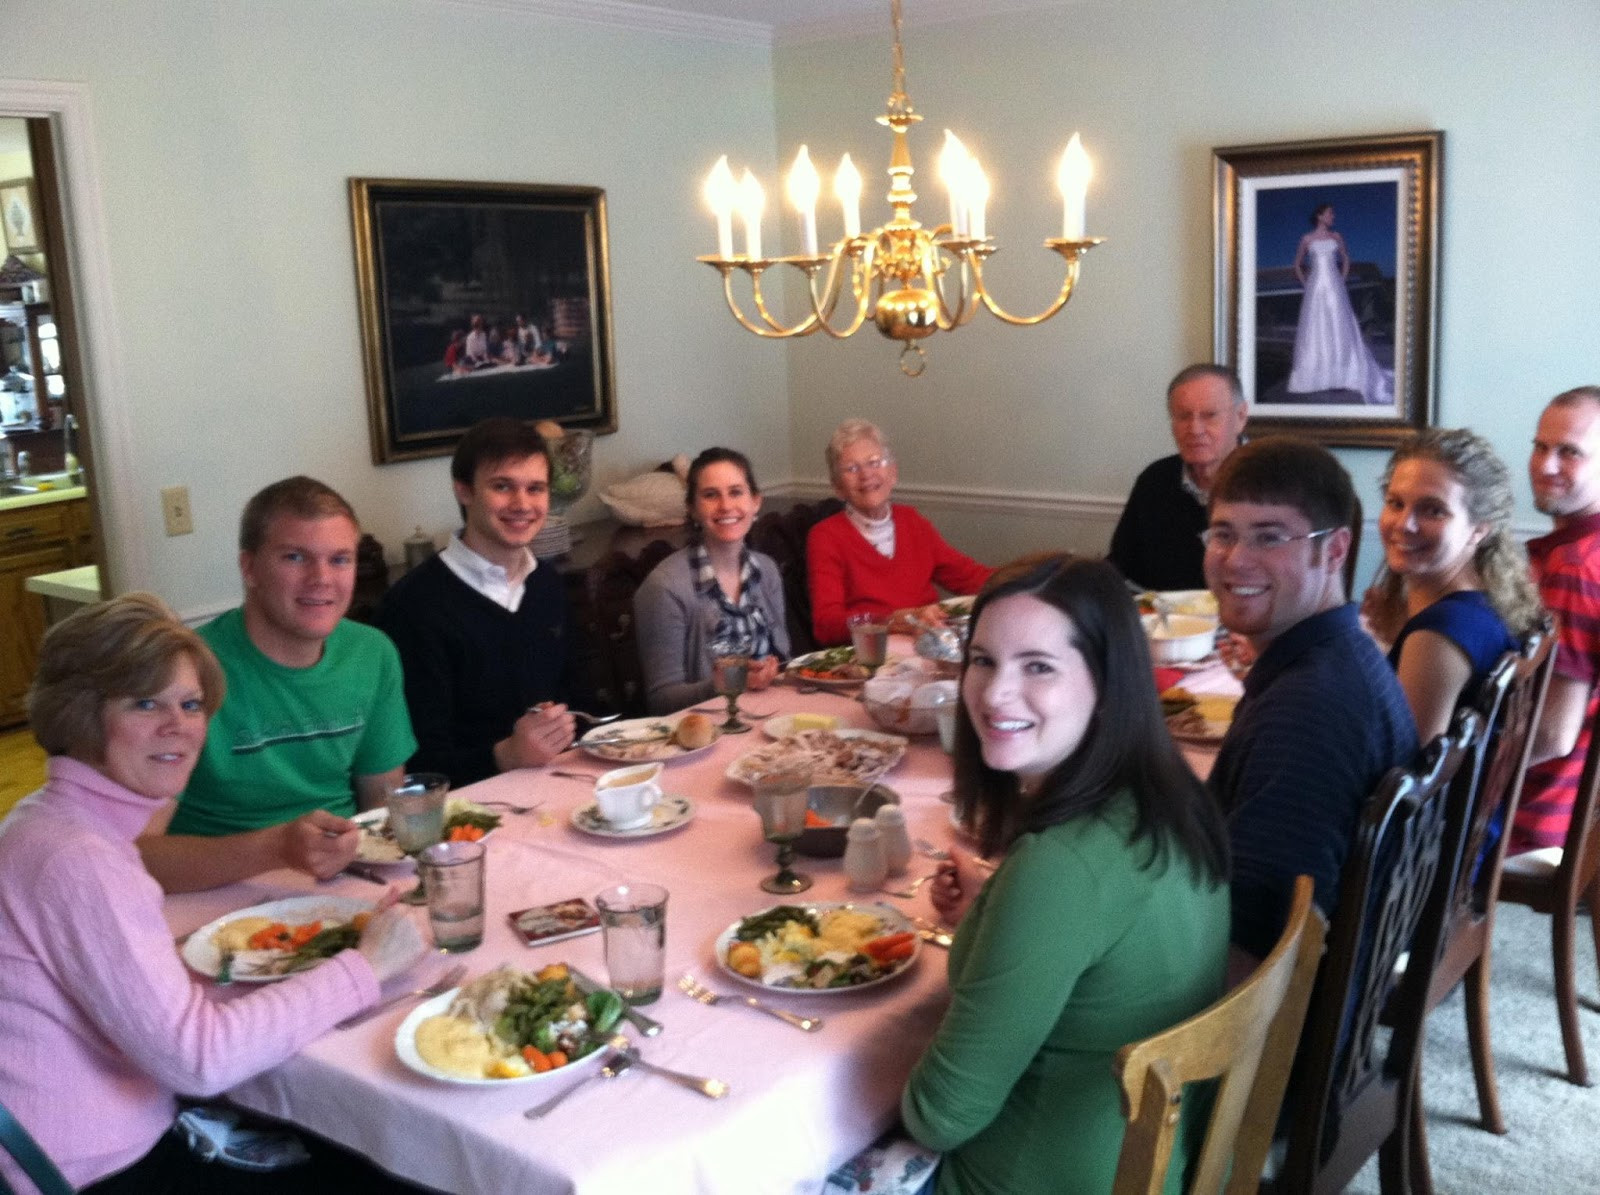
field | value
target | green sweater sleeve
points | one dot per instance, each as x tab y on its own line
1039	923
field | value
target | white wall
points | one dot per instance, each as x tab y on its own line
1073	409
224	136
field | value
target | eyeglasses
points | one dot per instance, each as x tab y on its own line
872	462
1226	539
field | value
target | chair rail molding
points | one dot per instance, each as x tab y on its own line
114	487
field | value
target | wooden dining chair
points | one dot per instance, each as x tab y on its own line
1510	701
1553	881
1247	1040
33	1161
1351	1092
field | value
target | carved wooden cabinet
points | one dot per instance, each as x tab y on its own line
33	539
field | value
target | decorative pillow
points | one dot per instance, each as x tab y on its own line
654	499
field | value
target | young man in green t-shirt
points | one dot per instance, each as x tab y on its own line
314	724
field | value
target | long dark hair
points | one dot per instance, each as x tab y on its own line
1125	747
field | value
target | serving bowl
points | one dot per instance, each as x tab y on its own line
1180	638
903	717
840	804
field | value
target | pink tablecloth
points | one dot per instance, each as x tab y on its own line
801	1103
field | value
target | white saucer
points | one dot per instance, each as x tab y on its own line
670	813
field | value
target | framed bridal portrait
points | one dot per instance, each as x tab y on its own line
480	299
1326	283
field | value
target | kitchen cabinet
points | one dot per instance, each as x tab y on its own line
43	538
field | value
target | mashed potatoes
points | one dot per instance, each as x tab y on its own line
455	1046
234	937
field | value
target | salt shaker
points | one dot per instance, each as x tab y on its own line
864	864
891	822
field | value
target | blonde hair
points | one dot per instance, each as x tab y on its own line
126	647
1500	561
846	434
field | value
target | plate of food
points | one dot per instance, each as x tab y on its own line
463	819
831	756
784	725
1196	603
821	948
509	1026
269	941
834	667
650	740
1199	719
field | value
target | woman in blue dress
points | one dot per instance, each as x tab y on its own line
1454	592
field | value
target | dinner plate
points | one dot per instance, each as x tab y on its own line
377	845
652	750
1201	732
783	725
743	769
202	955
894	922
790	670
1201	603
405	1047
666	815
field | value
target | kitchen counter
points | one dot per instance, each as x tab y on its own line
78	586
44	497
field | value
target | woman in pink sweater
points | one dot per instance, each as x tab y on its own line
103	1025
873	557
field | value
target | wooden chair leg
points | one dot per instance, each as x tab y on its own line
1593	899
1477	1006
1566	993
1421	1169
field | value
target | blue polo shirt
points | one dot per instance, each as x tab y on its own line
1321	720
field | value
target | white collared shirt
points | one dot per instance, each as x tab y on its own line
501	586
878	532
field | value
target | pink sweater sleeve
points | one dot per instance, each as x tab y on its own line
105	941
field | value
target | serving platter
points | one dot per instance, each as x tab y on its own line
405	1048
892	920
203	955
821	751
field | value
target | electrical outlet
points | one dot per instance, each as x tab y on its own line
175	510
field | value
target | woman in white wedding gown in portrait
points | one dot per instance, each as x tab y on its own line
1329	350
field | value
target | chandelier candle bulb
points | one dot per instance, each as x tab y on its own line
751	200
847	189
1073	179
953	160
804	186
721	191
977	200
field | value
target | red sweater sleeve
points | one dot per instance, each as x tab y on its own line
825	576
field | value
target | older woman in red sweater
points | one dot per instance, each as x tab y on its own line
875	557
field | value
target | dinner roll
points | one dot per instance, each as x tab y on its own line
694	731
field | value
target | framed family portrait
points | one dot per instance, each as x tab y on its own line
1326	286
480	299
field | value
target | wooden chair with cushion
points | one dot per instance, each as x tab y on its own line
1553	881
1351	1092
1247	1039
1509	701
606	631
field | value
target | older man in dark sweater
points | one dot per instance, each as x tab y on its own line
1322	717
482	628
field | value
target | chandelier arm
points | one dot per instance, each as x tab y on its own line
804	328
953	315
777	332
1068	284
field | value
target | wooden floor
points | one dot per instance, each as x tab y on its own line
21	767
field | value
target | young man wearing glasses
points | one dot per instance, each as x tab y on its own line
1322	717
874	557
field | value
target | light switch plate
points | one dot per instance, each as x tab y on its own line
175	510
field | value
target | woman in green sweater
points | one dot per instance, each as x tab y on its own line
1107	920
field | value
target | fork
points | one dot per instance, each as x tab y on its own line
444	983
510	808
694	989
711	1088
908	893
609	1069
591	719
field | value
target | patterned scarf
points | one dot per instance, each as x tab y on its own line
744	618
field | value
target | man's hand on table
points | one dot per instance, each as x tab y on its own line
536	738
321	843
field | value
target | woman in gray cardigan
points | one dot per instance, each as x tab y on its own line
713	588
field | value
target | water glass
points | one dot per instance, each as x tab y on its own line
416	810
633	923
869	635
453	875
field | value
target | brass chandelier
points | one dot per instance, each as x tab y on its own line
909	280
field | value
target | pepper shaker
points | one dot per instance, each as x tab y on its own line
891	822
864	865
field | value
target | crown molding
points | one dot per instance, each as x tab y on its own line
620	14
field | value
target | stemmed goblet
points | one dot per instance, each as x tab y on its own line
782	799
730	675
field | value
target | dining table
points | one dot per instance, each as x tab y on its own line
799	1104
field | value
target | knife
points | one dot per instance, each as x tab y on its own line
633	1016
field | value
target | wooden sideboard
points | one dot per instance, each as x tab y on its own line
42	538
